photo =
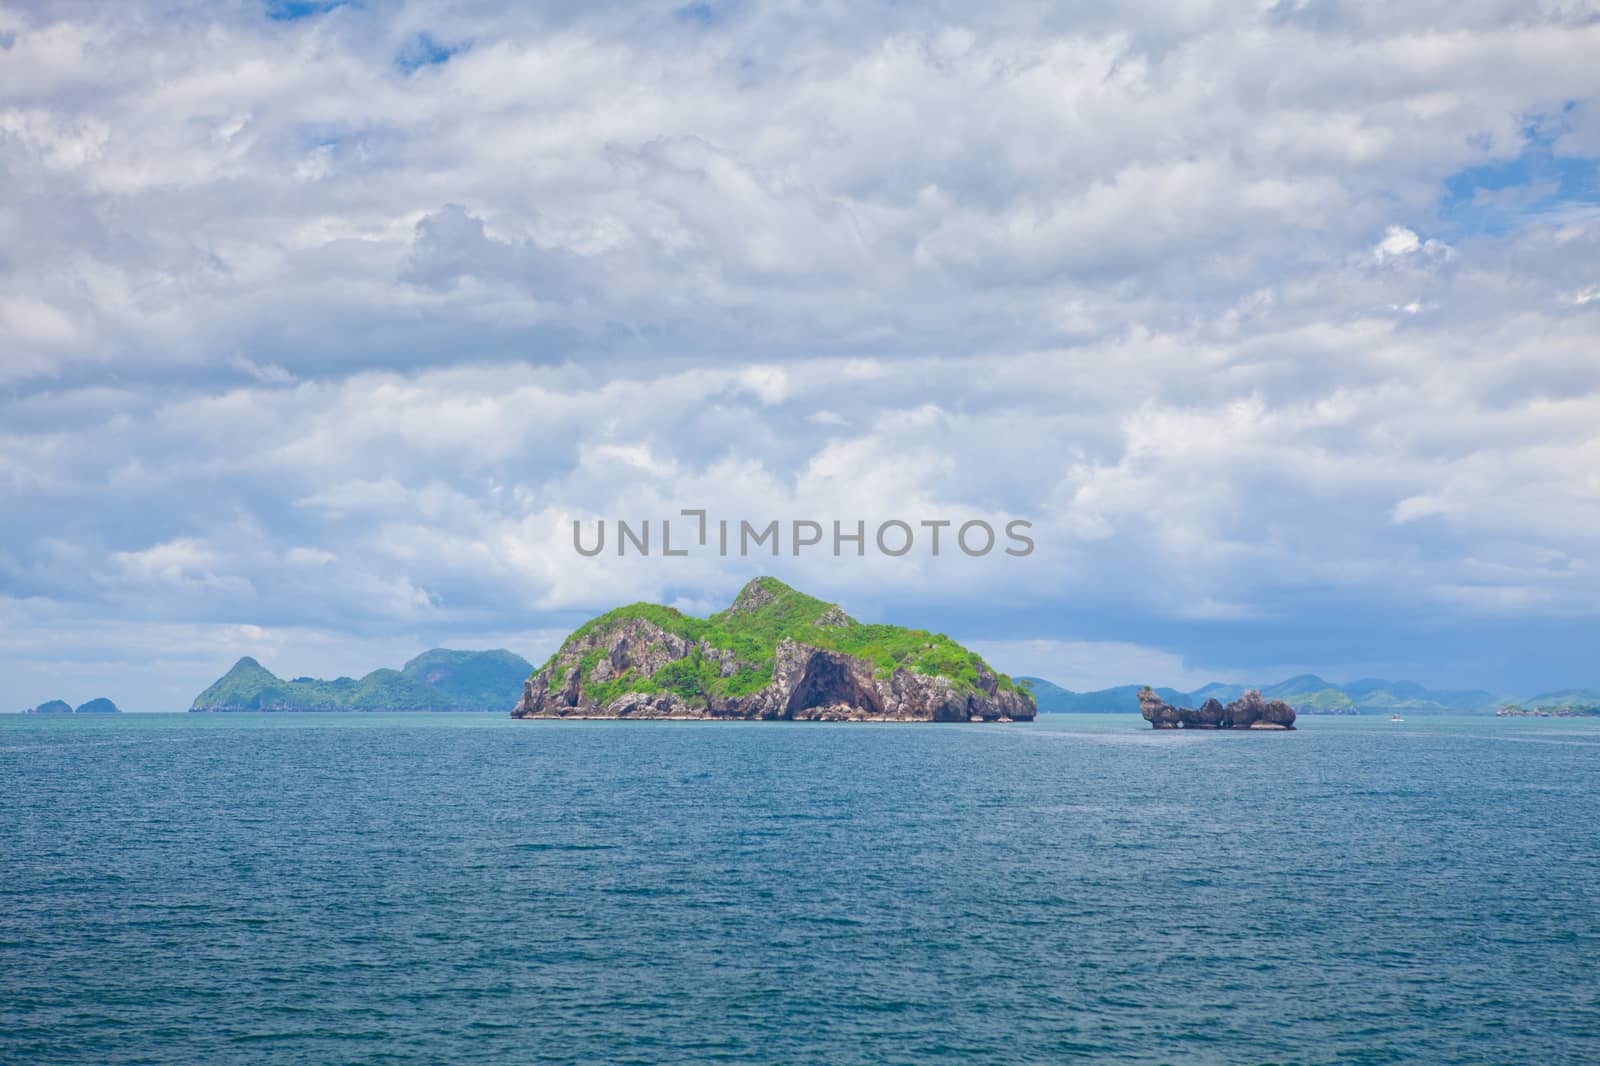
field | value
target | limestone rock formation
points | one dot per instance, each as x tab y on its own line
1249	711
1157	711
774	654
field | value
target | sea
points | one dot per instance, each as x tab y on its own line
418	888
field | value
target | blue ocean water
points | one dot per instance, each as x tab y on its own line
462	888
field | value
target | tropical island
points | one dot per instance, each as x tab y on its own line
775	653
98	705
437	680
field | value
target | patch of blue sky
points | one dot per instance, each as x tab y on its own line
424	50
696	14
289	10
315	136
1538	185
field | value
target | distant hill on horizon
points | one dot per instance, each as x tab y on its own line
1310	694
98	705
436	680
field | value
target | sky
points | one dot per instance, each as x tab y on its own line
320	324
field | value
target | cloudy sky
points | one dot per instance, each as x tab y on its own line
320	323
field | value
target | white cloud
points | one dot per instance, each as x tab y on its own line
30	321
1397	240
1088	665
291	337
769	383
270	374
1414	507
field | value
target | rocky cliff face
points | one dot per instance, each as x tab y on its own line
806	682
1249	711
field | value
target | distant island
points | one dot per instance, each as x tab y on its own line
775	653
1309	694
1554	711
437	680
99	705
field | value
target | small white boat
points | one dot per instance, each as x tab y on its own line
1395	718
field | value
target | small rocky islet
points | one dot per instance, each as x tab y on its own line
1249	711
774	654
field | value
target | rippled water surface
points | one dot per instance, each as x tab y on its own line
429	888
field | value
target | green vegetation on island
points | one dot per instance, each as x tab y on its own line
437	680
775	653
752	633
